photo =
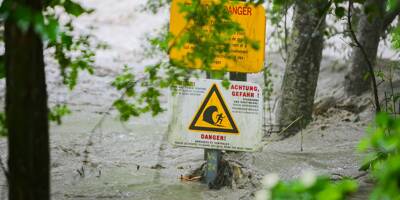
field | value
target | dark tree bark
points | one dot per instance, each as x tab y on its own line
368	35
301	74
26	111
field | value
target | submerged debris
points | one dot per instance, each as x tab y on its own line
230	174
157	166
190	178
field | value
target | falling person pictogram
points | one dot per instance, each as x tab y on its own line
208	116
213	114
220	117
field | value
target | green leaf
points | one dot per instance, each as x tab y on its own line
126	109
340	12
392	4
52	29
74	9
58	112
396	38
226	83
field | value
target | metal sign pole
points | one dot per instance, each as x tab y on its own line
235	76
213	160
251	61
214	156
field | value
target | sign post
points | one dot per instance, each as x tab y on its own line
213	159
212	156
225	119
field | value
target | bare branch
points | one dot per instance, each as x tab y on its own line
99	124
370	67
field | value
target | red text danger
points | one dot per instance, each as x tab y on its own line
239	10
213	137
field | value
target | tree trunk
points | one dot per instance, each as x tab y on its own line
368	34
26	111
302	69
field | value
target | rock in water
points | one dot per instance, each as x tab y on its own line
323	105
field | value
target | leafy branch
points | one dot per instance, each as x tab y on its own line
209	29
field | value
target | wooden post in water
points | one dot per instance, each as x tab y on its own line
213	156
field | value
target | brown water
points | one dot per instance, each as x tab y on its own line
117	151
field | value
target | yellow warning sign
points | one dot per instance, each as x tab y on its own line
242	57
213	115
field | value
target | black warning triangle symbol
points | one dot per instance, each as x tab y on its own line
213	115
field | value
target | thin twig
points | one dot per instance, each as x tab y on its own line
392	90
100	122
302	137
360	175
290	125
370	67
341	176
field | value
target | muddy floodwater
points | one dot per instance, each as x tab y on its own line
114	160
134	161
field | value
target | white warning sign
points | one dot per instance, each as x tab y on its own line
207	115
